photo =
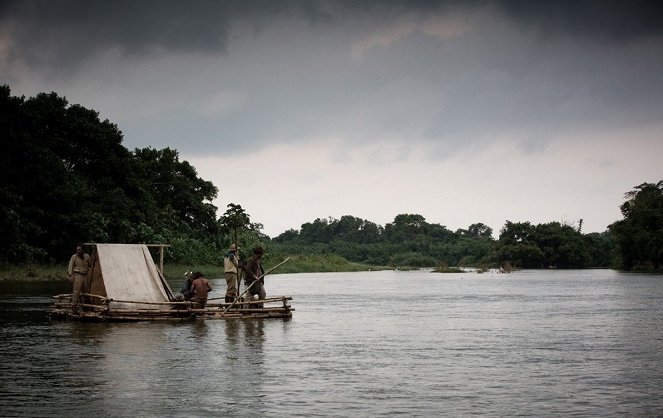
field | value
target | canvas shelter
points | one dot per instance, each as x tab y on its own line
126	272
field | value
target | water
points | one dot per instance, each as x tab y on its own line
360	344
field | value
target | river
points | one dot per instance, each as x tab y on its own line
389	343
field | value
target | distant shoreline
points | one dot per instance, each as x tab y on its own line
298	264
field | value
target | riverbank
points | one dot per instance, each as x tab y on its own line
33	273
297	264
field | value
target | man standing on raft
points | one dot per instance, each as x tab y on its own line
79	265
230	266
254	271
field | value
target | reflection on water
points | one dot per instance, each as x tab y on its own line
531	343
199	330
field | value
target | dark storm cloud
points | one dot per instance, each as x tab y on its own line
534	68
612	20
66	31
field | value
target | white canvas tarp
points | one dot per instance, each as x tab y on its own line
129	274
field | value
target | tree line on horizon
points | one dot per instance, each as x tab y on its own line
410	241
66	178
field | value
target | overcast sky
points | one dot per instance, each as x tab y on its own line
460	111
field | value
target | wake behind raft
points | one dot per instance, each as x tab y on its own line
126	285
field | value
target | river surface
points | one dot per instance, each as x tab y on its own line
535	343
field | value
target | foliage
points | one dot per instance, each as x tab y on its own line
309	263
447	269
602	249
411	259
234	220
33	273
409	241
541	246
65	177
639	235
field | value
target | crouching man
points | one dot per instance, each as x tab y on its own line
201	287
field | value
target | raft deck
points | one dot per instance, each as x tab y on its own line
99	308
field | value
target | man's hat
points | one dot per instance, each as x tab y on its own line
258	250
233	247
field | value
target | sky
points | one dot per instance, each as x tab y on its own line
476	111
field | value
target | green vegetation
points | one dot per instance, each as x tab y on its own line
65	178
33	273
640	234
447	269
544	245
409	241
298	263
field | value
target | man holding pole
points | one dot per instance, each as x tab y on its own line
254	278
230	266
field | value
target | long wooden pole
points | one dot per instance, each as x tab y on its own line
254	282
161	259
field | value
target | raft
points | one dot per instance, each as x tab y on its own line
126	285
109	310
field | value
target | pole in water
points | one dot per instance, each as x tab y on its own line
254	282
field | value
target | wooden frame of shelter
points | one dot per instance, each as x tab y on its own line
124	284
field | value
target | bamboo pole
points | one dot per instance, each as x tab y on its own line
149	303
254	282
270	299
272	309
123	318
185	303
161	253
141	316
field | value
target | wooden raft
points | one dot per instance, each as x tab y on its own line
100	308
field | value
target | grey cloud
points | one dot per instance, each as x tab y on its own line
607	19
63	32
496	80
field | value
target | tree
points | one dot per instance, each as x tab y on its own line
476	230
562	246
184	199
639	235
65	177
517	245
602	247
56	187
317	231
234	219
405	228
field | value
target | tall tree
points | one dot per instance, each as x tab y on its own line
234	220
184	198
562	246
57	157
317	231
602	247
517	245
406	227
65	177
640	234
477	230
